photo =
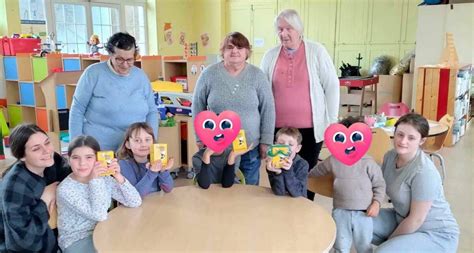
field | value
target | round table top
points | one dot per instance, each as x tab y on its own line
241	218
436	128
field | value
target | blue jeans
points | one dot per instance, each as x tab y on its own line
420	241
81	246
250	166
352	225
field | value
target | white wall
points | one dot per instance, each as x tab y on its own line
434	21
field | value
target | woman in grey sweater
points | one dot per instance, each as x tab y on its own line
235	85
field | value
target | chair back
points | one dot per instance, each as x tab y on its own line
436	143
240	175
381	143
394	109
321	185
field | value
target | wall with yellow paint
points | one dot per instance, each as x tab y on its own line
193	17
9	17
209	17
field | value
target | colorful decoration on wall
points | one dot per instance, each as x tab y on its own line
168	33
205	39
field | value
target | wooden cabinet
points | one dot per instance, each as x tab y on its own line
178	66
385	21
319	20
443	91
352	22
255	21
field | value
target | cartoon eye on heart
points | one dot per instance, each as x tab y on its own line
348	145
217	131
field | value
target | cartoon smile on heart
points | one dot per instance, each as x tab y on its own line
217	132
348	145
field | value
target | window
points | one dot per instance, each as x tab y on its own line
71	27
32	10
135	25
105	22
75	21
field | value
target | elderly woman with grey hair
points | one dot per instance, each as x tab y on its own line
305	85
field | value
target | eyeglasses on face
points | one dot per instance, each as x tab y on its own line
121	60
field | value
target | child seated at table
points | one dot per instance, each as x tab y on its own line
358	192
84	197
216	167
133	154
292	177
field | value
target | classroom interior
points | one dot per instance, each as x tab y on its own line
179	38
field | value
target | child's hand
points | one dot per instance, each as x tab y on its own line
115	167
233	154
49	195
270	166
287	163
157	166
263	151
97	170
206	157
170	164
373	209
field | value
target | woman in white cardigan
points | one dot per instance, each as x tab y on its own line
304	83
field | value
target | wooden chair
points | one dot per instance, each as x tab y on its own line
394	109
433	146
381	143
321	185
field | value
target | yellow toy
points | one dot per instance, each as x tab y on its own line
159	152
278	153
158	86
105	158
240	142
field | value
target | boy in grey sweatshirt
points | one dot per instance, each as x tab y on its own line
358	192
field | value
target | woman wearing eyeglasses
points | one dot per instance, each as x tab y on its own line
233	84
112	95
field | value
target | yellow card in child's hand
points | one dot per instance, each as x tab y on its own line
240	142
106	157
278	153
159	151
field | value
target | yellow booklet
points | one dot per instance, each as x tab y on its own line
159	151
106	157
240	142
278	153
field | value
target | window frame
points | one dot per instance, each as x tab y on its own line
120	4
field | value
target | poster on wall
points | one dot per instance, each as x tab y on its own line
168	33
182	38
205	39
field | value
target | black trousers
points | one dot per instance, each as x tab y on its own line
309	151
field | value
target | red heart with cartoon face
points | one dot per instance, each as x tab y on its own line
217	132
348	145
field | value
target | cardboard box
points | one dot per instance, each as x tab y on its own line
172	137
389	89
407	89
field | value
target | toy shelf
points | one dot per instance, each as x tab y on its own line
178	66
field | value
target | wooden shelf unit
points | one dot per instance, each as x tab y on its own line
443	91
190	67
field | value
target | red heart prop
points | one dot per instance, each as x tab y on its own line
348	145
217	132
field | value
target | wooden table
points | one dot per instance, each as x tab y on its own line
435	129
354	97
238	219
